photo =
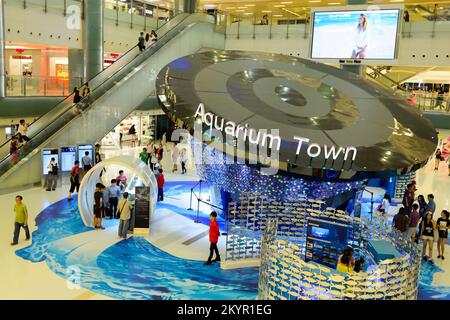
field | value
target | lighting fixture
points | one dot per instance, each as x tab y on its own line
286	2
314	1
249	5
266	11
277	15
279	6
335	3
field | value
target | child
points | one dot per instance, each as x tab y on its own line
161	181
443	223
214	234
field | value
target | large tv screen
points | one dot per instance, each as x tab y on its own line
355	34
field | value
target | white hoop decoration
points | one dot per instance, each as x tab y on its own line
90	179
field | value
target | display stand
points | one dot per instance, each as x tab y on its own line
402	182
142	211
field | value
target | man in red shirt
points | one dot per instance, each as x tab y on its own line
408	198
214	234
161	183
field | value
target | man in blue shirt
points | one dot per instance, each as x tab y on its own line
113	195
431	206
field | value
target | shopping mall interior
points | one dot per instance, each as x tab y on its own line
224	150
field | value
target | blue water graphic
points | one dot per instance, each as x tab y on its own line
132	268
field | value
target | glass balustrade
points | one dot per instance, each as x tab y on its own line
29	86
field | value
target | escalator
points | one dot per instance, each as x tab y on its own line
115	93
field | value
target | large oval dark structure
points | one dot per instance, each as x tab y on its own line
328	106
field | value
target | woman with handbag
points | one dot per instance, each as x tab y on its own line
427	235
124	212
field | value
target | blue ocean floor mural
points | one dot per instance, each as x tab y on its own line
128	269
136	269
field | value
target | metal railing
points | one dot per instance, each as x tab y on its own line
137	13
427	101
430	20
26	86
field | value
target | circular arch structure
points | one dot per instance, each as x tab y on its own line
87	186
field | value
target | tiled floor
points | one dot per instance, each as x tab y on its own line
173	232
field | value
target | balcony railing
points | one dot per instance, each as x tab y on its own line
28	86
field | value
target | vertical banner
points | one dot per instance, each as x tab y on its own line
142	207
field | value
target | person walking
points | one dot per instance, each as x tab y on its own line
20	221
86	162
144	156
76	95
427	235
438	159
184	160
160	153
383	208
431	205
413	222
132	133
98	206
161	181
422	205
214	234
153	161
13	149
23	130
74	179
443	224
175	157
141	42
147	40
124	212
113	198
52	176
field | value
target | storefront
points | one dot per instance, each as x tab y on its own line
34	70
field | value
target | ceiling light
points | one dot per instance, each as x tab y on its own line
266	11
396	1
315	1
248	13
277	15
242	7
335	3
279	6
239	10
249	5
286	2
230	8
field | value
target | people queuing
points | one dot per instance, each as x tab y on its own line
113	192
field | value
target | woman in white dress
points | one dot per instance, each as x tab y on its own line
383	208
361	38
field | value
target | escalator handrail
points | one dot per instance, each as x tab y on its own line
71	96
76	109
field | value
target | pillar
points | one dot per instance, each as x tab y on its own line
190	6
93	38
2	51
76	68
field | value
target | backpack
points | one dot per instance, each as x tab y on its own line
73	178
402	221
55	169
